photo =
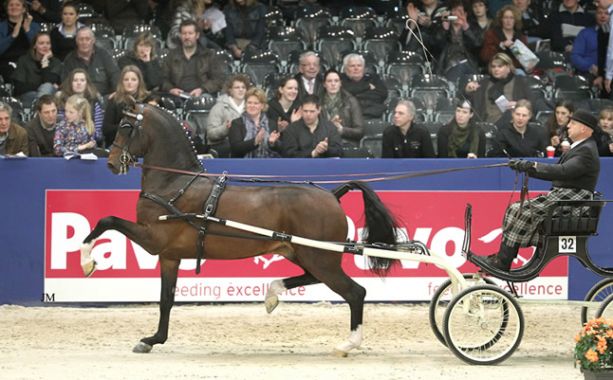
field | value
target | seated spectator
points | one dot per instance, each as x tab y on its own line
125	13
405	139
493	96
501	36
190	70
246	26
38	71
565	24
210	20
605	139
130	89
342	109
229	106
556	126
461	137
75	132
64	33
13	137
250	134
584	55
16	35
144	56
311	137
78	83
46	10
308	77
98	63
423	14
369	89
460	41
531	24
284	109
479	19
41	129
518	138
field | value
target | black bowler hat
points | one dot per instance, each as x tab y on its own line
586	118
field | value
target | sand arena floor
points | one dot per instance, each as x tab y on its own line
241	341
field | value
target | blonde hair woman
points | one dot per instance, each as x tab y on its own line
250	134
75	133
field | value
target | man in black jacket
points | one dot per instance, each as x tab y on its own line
573	177
311	136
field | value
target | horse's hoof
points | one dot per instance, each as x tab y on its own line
142	348
271	303
340	354
89	268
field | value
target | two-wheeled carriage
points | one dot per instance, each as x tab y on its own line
565	231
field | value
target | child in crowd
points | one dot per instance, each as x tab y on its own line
75	133
605	140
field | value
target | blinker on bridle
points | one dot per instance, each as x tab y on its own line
126	158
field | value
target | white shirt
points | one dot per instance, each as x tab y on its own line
306	82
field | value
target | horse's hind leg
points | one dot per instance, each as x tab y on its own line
277	287
326	267
132	231
168	271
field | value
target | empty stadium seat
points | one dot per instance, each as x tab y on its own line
309	21
373	144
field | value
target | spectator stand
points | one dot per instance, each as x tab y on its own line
258	65
334	42
196	112
285	41
358	19
309	20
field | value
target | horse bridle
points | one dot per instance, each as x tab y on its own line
127	159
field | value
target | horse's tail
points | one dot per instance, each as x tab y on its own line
380	225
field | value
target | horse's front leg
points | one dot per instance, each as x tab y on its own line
168	271
132	231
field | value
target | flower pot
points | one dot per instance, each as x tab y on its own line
603	374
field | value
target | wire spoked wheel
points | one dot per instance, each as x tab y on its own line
597	294
483	325
606	308
440	302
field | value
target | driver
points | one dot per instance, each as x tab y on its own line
573	177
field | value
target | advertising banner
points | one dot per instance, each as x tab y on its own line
127	273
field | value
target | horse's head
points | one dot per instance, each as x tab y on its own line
128	144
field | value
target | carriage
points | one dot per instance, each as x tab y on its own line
182	212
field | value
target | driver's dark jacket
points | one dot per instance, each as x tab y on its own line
576	169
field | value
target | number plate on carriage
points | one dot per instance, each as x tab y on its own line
567	244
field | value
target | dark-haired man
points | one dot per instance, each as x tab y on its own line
41	128
311	137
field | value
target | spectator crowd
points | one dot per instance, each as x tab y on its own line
306	78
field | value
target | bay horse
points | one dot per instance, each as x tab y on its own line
169	171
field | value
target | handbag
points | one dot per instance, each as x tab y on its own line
524	55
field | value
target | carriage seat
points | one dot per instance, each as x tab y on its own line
573	218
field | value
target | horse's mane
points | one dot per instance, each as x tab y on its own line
168	121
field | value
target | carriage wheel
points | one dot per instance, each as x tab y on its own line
606	308
483	325
598	293
441	300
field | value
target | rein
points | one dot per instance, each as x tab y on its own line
279	178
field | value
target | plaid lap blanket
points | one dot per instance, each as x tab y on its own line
521	226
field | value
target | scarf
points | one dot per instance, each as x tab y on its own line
461	137
262	150
332	105
497	87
